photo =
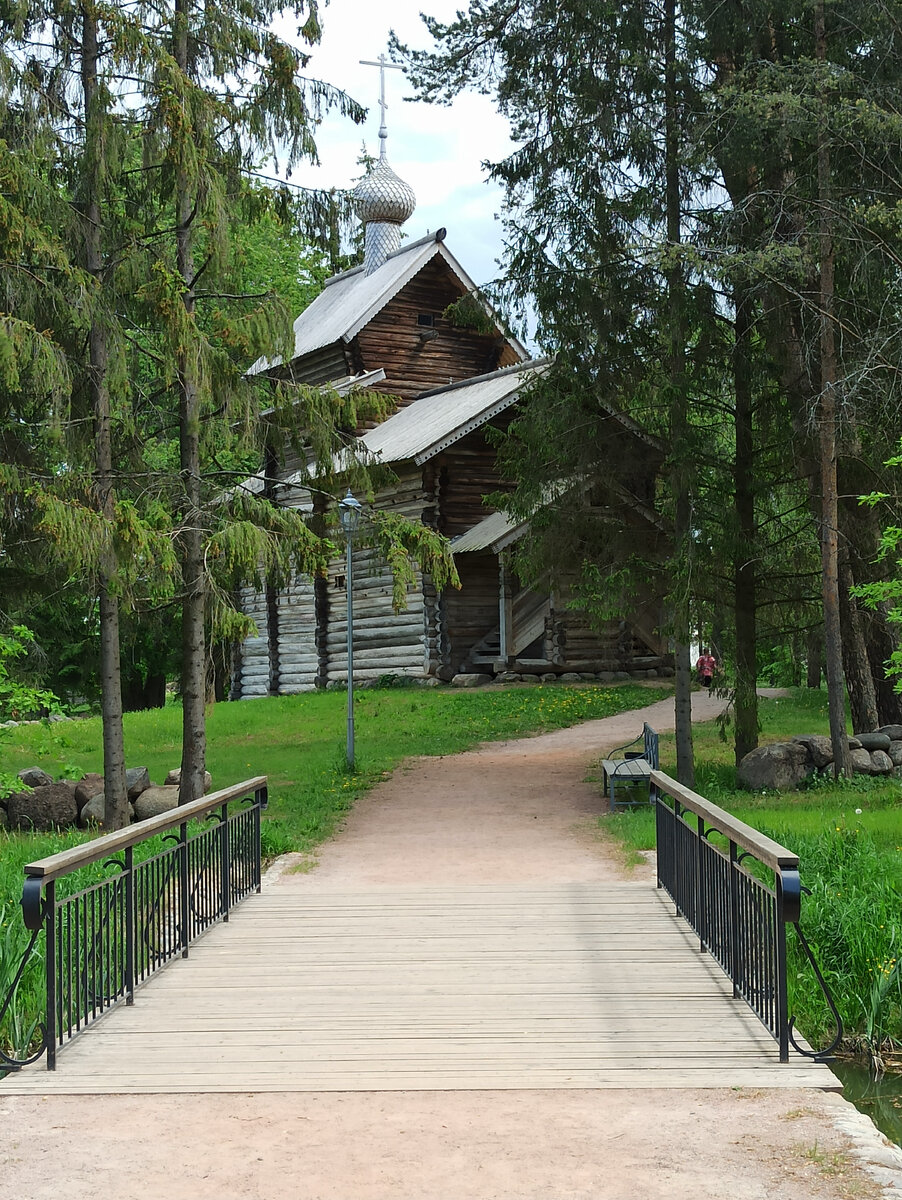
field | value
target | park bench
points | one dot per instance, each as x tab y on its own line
629	770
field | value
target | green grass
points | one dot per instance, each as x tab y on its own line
298	742
849	840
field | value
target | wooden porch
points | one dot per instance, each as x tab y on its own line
577	985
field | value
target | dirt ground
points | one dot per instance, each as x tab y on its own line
529	816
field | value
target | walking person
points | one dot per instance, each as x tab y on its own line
706	666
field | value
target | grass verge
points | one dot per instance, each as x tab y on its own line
849	839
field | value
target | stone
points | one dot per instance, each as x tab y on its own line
51	806
549	677
873	741
820	748
881	763
529	679
571	677
854	743
509	677
895	752
137	780
652	673
4	820
607	676
34	777
174	778
637	675
667	672
430	682
54	717
861	762
622	676
587	676
445	674
156	800
781	766
470	679
92	813
87	788
893	732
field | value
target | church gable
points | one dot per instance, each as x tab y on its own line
421	348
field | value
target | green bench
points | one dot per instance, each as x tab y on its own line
629	769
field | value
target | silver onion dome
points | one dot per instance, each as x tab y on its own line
382	196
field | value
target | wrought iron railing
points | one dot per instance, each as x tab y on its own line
740	919
102	941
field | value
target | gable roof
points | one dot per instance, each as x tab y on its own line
349	301
494	532
443	416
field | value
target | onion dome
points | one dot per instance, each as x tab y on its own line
381	196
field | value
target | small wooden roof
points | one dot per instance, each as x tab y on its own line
349	301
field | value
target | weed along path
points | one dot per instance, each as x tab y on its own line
492	851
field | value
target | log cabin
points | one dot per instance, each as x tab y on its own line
390	323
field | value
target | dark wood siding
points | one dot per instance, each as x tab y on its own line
417	358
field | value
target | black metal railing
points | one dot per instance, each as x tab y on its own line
102	941
740	919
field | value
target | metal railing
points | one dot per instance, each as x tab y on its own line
740	919
102	941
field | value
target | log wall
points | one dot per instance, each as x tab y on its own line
417	358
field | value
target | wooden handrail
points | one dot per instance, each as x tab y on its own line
81	856
765	849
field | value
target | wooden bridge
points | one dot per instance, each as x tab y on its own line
576	985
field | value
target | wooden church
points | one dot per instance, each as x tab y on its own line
385	324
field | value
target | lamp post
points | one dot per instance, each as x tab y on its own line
349	515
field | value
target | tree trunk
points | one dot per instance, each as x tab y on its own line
678	409
828	426
857	667
882	639
194	734
745	576
115	805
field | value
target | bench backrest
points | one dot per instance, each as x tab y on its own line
650	738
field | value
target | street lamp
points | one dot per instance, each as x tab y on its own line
349	515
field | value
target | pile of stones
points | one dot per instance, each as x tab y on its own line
474	679
46	804
782	766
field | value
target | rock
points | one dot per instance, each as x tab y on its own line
854	743
820	748
861	762
55	717
430	681
587	676
34	777
652	673
86	788
509	677
893	732
622	676
667	672
881	763
470	679
780	766
51	806
607	676
92	813
445	674
637	675
571	677
530	679
549	677
895	752
156	800
873	741
4	820
137	780
174	778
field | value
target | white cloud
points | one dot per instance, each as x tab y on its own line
438	150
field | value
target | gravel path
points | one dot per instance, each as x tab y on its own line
518	811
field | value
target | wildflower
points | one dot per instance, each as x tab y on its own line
857	812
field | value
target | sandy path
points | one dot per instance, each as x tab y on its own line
513	812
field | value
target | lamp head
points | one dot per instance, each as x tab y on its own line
349	513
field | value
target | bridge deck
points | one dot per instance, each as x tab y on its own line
569	986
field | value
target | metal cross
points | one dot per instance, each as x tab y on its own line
383	64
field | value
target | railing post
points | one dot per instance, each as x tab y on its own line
782	997
225	866
183	888
50	971
130	925
700	890
735	939
261	795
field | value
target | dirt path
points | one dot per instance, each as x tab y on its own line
512	812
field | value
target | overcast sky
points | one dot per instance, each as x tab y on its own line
437	150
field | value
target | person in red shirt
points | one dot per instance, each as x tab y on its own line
706	666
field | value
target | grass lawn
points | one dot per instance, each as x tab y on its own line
849	839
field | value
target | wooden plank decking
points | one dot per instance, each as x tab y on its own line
570	986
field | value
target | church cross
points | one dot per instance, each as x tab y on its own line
384	65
